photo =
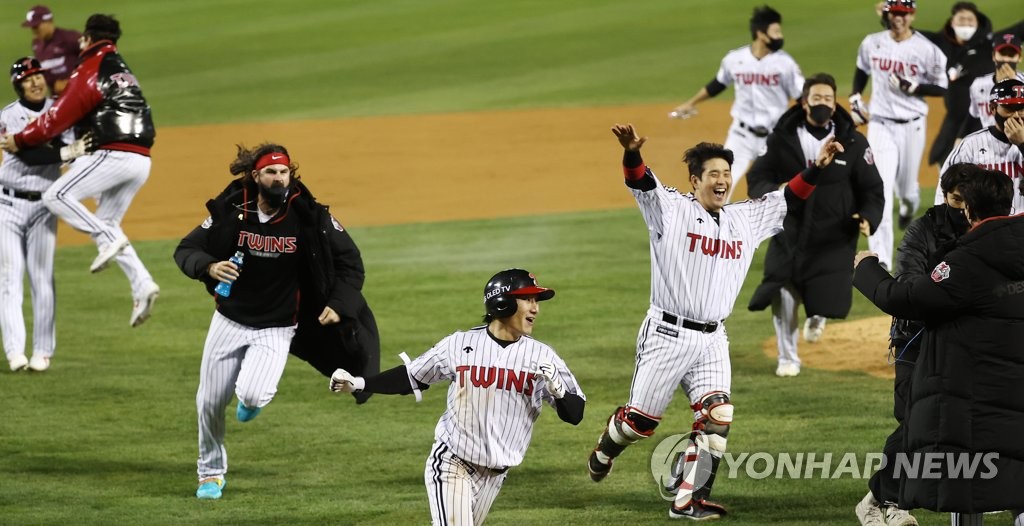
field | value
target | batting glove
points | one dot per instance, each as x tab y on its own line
343	382
902	83
77	148
552	381
857	110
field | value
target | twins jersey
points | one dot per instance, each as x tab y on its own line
15	174
494	397
811	145
915	58
698	264
981	88
764	88
986	150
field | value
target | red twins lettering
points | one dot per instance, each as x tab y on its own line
499	377
261	243
759	79
716	247
897	67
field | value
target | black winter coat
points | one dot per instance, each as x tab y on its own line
968	393
332	275
816	246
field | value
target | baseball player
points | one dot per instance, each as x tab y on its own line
701	250
104	98
500	379
292	248
904	67
28	232
999	146
1006	55
766	80
56	48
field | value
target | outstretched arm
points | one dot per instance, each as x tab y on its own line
632	163
392	381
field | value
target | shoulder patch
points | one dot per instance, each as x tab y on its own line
337	225
940	272
868	156
207	223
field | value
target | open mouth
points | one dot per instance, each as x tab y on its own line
529	319
720	193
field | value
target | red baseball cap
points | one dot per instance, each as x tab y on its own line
37	15
1006	40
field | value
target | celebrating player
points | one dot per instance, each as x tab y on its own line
904	67
766	79
104	98
1006	57
292	248
701	250
500	378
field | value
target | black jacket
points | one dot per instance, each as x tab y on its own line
332	275
816	247
968	393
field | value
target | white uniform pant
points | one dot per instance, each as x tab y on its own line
241	360
746	147
28	235
897	149
668	356
460	493
113	178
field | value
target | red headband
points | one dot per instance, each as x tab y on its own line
271	158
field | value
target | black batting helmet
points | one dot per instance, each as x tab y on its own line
23	68
502	289
1010	91
900	6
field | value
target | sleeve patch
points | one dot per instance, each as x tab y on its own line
868	156
940	272
207	223
337	225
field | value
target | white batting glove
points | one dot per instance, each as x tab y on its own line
77	148
343	382
902	83
857	110
553	382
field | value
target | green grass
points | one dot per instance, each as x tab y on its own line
108	434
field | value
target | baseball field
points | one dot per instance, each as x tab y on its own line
453	139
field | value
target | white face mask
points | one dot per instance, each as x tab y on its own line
964	32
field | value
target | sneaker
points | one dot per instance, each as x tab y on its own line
108	253
598	470
814	327
897	517
787	369
701	510
869	512
18	362
39	363
245	414
143	305
211	488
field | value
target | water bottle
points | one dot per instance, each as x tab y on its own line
224	289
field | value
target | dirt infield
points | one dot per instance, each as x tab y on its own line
860	345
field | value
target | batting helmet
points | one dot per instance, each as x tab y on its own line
900	6
502	289
24	67
1010	91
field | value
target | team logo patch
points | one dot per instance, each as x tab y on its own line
868	156
337	225
207	223
940	272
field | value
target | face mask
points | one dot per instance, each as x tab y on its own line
957	219
274	195
775	44
964	32
1000	63
820	114
1000	121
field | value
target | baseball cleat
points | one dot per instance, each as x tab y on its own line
108	253
143	305
597	469
897	517
701	510
39	363
245	414
869	512
814	328
211	488
788	369
18	362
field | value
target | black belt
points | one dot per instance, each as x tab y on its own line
28	196
710	326
758	131
900	121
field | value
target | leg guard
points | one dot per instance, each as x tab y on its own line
626	426
699	463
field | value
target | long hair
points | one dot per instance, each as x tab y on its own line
245	159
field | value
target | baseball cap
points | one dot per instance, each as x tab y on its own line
1006	40
37	15
1010	91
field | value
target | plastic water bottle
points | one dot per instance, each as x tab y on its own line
224	289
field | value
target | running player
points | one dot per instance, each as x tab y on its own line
1006	56
701	250
904	67
292	247
500	378
766	79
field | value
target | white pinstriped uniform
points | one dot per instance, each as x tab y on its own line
697	268
764	89
493	401
985	150
981	88
28	235
898	146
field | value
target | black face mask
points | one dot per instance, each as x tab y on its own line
820	114
274	195
999	64
957	219
775	44
1000	121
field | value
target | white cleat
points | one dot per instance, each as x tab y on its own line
814	327
18	362
144	304
108	253
788	369
39	363
897	517
869	512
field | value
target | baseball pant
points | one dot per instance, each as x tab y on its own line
897	149
241	360
460	493
785	319
112	178
668	356
28	235
745	147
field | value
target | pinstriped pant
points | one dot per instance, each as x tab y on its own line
668	356
459	493
239	359
28	235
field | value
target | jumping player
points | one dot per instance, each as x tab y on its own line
766	80
104	98
292	248
500	378
903	67
701	250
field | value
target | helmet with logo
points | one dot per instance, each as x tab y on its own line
1007	92
503	288
900	6
22	69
